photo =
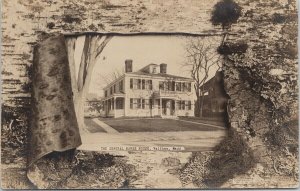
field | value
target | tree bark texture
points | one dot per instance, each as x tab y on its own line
54	125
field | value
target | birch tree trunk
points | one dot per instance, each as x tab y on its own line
93	46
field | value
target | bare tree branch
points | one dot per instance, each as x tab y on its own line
103	44
201	57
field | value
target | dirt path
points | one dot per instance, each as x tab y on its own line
106	127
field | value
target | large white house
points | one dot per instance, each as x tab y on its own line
149	92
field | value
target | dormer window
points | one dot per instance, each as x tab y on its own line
154	70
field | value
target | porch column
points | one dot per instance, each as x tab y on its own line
114	101
175	111
160	100
152	107
125	106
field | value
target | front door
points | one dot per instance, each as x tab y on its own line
168	107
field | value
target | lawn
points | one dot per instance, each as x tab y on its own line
92	126
220	121
155	125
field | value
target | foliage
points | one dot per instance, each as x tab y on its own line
225	13
71	19
233	48
211	169
50	25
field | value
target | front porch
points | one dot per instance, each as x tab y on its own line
114	106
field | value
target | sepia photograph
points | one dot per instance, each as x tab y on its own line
149	94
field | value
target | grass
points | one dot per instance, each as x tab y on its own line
213	121
92	126
155	125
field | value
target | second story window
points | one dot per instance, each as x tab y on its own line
143	84
121	86
105	93
178	86
131	83
161	85
189	87
172	86
184	88
150	84
138	83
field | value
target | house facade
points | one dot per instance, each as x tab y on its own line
215	97
149	92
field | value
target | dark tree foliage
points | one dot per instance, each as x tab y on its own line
51	25
225	13
232	48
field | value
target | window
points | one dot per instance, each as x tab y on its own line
169	85
131	103
184	88
150	84
143	84
105	93
189	105
112	104
111	90
121	86
178	86
143	103
131	83
158	104
181	86
181	105
139	84
115	88
189	87
119	103
154	70
161	85
135	86
173	86
138	103
134	103
150	104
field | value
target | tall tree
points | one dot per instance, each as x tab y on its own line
225	13
201	57
92	48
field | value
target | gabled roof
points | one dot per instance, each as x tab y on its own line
140	73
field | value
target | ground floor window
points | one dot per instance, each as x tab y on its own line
137	103
184	104
119	103
189	105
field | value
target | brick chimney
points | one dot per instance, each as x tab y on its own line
163	68
128	65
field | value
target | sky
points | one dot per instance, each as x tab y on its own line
143	50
